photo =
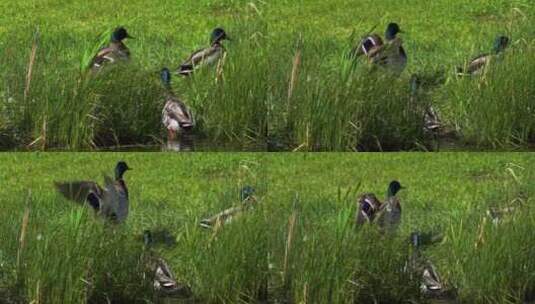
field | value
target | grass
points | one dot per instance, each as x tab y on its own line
286	80
299	241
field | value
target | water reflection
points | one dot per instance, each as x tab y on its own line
182	143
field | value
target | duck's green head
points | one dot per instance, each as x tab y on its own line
165	77
392	30
394	188
246	192
217	35
500	44
120	34
120	169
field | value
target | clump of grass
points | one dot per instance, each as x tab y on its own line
361	106
496	109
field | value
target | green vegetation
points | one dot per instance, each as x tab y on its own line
328	104
299	241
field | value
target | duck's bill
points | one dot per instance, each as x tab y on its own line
129	37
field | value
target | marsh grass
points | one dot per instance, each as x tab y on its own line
286	79
297	245
496	109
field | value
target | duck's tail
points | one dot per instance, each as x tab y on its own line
185	70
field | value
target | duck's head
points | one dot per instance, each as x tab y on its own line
120	34
165	77
246	192
120	169
217	35
500	44
392	30
393	188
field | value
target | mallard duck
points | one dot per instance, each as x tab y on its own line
431	121
205	56
165	283
110	202
389	215
247	199
370	208
114	52
476	66
389	54
430	282
176	116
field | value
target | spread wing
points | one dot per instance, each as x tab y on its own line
81	192
367	44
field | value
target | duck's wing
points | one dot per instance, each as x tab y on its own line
221	218
431	283
367	44
205	56
477	64
110	54
165	282
176	110
81	192
368	205
432	121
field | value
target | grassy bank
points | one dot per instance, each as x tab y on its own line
299	241
286	80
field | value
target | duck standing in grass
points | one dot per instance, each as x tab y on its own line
176	116
389	215
389	54
477	65
165	283
110	201
205	56
116	50
247	199
431	284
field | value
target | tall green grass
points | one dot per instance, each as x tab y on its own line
298	244
495	110
286	78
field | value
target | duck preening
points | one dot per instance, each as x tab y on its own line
424	270
431	120
477	65
205	56
114	52
389	53
110	201
165	283
387	214
248	200
176	116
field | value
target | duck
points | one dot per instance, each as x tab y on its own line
110	201
114	52
432	123
205	56
370	209
247	199
389	53
431	285
176	116
389	215
477	65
